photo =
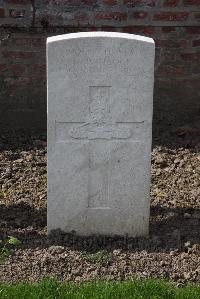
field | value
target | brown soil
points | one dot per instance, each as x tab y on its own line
172	249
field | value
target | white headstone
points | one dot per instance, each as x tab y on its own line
100	91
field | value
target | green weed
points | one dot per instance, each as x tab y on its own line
5	247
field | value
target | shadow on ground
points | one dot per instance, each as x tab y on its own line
170	229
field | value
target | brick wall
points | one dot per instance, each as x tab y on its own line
25	25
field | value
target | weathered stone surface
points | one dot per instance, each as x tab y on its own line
100	91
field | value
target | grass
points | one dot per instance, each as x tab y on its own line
132	289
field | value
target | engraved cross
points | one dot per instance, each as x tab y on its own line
97	131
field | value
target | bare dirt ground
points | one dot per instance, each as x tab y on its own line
172	249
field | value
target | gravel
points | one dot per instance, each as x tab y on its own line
172	249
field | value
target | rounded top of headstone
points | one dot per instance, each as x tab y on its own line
93	34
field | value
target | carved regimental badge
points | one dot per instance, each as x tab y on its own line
100	125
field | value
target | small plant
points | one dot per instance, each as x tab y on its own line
3	193
5	247
99	257
42	182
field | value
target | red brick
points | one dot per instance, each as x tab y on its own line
193	30
182	43
110	2
196	43
16	13
20	41
89	2
168	56
170	3
73	29
197	16
195	69
17	54
171	16
140	14
166	43
119	16
108	28
2	13
140	3
191	56
172	70
165	81
191	2
139	29
3	67
39	68
90	28
19	2
68	29
168	29
187	130
18	69
169	43
81	16
190	81
46	1
38	42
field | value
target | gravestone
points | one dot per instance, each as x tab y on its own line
100	91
